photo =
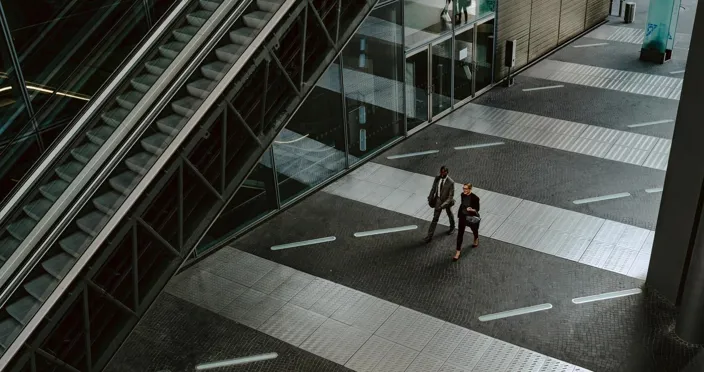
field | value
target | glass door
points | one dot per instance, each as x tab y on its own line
417	92
464	64
441	76
484	54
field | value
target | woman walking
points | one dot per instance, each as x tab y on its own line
467	215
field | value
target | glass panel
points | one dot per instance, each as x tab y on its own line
425	20
482	8
373	73
311	148
441	71
255	198
464	67
484	55
68	48
417	89
18	155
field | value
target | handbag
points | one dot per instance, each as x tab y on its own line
473	219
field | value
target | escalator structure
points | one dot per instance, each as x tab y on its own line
148	204
103	132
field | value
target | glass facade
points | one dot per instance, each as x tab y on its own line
56	55
408	62
381	86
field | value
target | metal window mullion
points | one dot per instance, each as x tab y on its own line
86	328
264	95
33	361
223	157
158	237
343	97
403	71
181	224
339	18
148	4
19	77
304	36
135	273
277	192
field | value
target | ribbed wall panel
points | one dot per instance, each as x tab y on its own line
544	27
541	25
597	11
513	23
572	17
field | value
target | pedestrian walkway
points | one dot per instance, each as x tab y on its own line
349	327
616	145
574	236
632	35
607	78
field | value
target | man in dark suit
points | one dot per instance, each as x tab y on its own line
441	197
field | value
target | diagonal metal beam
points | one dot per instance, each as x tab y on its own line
244	123
283	71
322	25
201	177
56	361
109	297
158	236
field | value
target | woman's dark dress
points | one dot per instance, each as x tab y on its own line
471	201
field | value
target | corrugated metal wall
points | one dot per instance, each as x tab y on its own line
572	17
597	10
544	27
513	23
541	25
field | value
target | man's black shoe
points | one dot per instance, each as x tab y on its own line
452	229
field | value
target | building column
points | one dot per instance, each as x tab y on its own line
676	268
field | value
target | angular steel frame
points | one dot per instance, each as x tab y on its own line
261	140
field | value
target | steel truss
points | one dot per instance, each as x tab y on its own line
165	226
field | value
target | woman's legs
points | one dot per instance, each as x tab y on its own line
475	230
460	232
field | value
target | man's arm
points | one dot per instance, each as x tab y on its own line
451	195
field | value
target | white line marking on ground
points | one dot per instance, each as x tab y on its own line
510	313
303	243
589	45
607	296
650	123
384	231
478	146
677	72
237	361
653	190
602	198
421	153
542	88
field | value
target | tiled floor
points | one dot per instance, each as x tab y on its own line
578	237
389	302
343	325
631	35
607	78
617	145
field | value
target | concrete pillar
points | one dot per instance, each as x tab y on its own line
678	249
